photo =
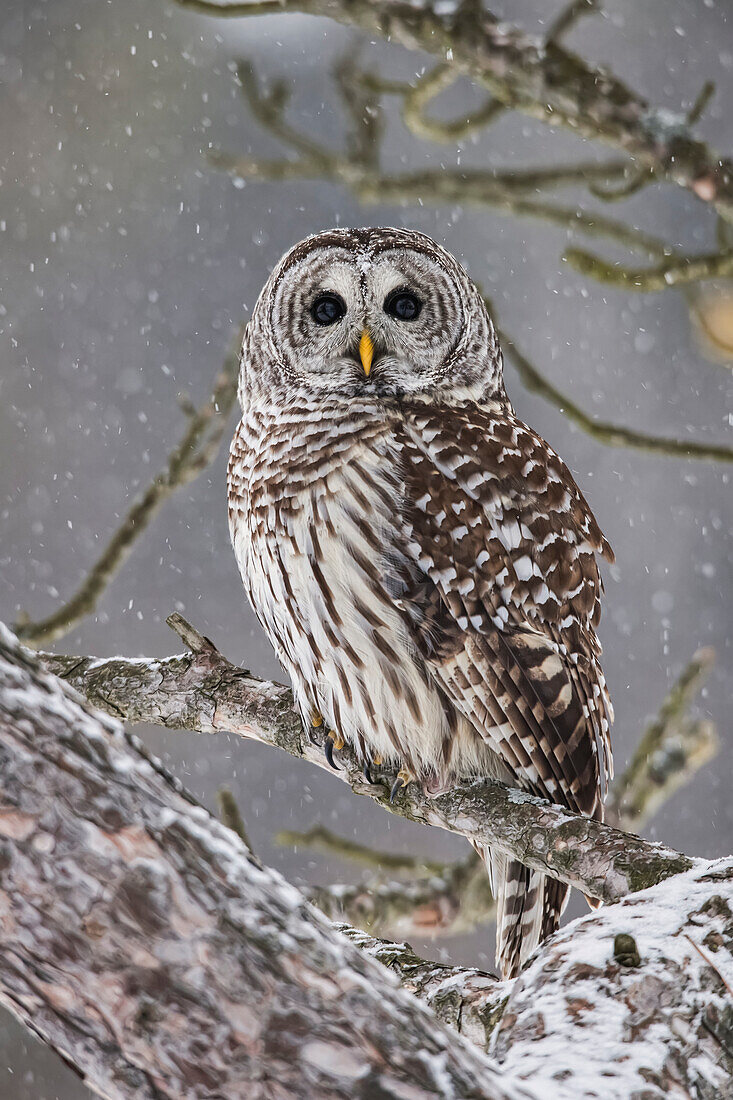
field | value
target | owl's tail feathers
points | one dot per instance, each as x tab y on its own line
528	908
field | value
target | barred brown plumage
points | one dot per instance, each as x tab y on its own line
423	563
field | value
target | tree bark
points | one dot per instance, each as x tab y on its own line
202	691
144	942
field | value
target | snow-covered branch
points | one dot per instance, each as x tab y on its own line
633	1001
202	691
142	940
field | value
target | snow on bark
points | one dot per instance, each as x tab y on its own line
142	941
633	1001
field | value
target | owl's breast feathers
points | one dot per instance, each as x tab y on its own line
472	532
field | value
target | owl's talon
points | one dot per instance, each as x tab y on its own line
328	752
366	773
404	777
333	741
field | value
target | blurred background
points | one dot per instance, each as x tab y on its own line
145	194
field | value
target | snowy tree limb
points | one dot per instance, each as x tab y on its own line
142	940
633	1001
202	691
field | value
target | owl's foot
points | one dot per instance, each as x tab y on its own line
316	718
404	777
333	741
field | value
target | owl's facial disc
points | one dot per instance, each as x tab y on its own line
375	321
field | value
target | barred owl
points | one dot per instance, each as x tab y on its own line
422	561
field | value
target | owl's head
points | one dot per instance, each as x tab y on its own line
386	312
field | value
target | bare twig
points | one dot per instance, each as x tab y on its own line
196	450
537	77
674	271
419	96
613	435
569	17
230	815
458	899
321	839
673	748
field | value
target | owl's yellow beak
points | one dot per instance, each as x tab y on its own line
366	351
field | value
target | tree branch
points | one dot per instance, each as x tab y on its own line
197	450
203	692
585	1011
673	748
612	435
142	940
448	898
674	271
539	78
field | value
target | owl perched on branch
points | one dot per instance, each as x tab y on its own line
423	563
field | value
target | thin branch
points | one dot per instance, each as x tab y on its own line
197	450
672	749
454	901
613	435
420	95
269	110
239	10
569	18
230	815
205	693
646	174
321	839
493	189
674	271
538	78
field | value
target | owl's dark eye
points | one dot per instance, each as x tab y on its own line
403	304
328	308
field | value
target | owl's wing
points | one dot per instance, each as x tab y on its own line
504	613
